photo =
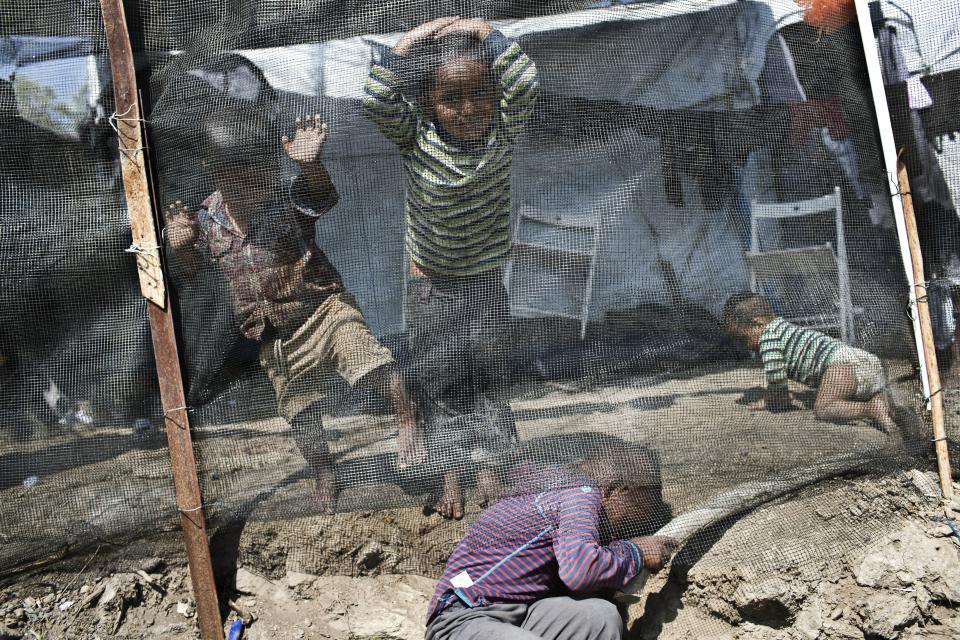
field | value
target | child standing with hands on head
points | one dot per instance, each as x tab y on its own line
850	382
454	95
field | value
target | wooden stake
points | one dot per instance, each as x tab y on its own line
126	121
144	226
926	331
184	466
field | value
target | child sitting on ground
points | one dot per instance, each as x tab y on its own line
260	232
454	96
851	382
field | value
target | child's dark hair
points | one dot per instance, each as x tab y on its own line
625	465
428	55
238	134
744	309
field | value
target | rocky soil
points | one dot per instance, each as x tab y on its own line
864	557
822	583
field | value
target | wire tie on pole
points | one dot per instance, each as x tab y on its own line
112	120
117	117
136	248
195	509
936	440
172	409
166	415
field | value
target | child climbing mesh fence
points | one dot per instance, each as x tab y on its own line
419	249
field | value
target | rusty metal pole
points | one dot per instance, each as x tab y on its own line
143	223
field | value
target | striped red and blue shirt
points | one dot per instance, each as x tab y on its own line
536	545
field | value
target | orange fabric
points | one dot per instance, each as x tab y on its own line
828	15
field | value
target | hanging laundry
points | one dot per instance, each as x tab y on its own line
692	145
817	114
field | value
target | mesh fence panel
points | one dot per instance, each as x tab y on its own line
82	460
528	244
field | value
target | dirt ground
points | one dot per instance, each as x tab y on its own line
853	557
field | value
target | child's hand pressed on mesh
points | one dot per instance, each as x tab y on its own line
476	27
308	139
424	31
181	230
655	550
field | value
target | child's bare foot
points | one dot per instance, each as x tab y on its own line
489	488
411	450
879	410
450	505
325	492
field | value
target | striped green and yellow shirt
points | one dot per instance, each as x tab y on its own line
789	351
457	200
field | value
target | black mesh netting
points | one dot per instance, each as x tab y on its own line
403	277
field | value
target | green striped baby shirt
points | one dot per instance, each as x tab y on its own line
789	351
457	199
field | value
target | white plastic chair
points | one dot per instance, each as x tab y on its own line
553	267
807	268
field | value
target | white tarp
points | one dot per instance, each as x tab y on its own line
56	80
620	184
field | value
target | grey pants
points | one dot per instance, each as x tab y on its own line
548	619
460	339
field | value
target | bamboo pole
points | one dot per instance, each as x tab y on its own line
143	222
926	331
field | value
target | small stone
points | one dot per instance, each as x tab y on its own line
151	565
856	511
84	589
809	622
836	614
925	483
884	615
66	604
940	530
840	629
29	603
873	567
48	599
905	577
295	579
922	597
184	609
369	557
